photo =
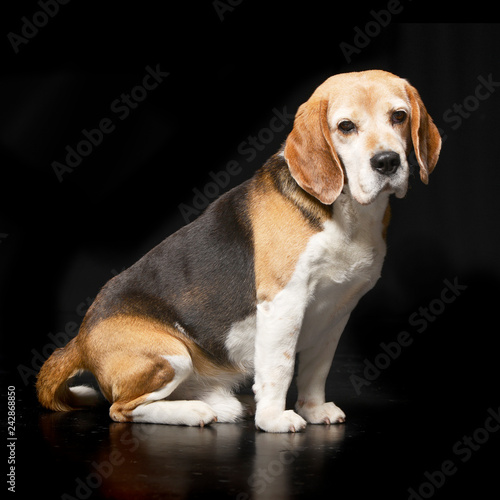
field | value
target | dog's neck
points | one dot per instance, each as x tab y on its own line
355	217
279	174
345	209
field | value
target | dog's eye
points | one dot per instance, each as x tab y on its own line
398	116
346	126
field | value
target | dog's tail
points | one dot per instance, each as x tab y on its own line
52	383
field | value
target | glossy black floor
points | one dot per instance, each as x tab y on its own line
408	435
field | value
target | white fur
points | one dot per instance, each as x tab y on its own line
225	405
214	391
193	413
84	395
214	403
183	367
158	411
240	343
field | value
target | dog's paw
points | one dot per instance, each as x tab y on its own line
191	413
197	413
287	421
327	413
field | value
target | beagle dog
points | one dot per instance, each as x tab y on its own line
271	269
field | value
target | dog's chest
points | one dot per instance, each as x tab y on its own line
338	266
343	267
337	256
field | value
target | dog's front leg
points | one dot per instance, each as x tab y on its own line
314	365
278	327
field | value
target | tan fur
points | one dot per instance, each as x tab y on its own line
280	233
425	135
52	386
125	355
310	154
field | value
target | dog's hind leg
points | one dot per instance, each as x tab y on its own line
138	367
152	406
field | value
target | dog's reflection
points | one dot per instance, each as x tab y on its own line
142	460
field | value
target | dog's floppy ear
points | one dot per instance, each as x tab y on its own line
424	135
310	154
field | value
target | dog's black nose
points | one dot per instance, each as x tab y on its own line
386	162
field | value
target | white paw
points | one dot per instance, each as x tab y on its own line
326	413
196	413
287	421
226	406
192	413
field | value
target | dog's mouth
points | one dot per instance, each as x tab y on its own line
367	196
401	191
396	183
398	188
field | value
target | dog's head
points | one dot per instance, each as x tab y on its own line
358	128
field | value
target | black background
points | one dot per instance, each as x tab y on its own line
61	241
